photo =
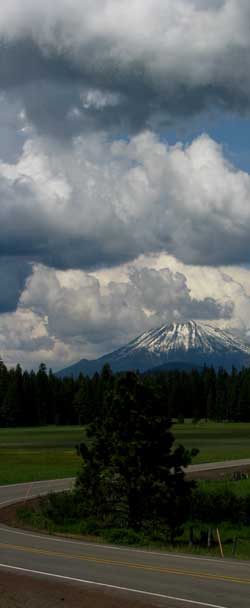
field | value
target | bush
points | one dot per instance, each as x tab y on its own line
219	505
34	518
90	526
124	536
60	507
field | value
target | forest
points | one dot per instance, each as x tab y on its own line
29	398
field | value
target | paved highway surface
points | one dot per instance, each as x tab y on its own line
22	491
218	466
172	580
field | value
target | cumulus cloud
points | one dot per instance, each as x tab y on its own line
79	308
24	331
150	60
99	203
66	315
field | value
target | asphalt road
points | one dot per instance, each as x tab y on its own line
22	491
175	580
171	580
218	466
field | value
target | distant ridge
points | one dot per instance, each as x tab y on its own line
181	366
193	344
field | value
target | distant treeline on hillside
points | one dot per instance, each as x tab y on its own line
41	398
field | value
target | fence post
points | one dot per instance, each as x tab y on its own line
219	541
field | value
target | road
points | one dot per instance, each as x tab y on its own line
176	581
22	491
218	466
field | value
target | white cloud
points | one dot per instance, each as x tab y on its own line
82	310
97	202
67	315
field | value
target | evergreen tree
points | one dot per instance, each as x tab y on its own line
132	456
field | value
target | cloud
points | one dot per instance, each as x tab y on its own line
98	203
78	308
63	316
23	331
157	60
13	274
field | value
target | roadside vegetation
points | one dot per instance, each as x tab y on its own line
214	504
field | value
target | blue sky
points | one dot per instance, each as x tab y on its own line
229	130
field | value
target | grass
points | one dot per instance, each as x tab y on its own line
216	441
34	454
45	436
240	488
18	465
28	454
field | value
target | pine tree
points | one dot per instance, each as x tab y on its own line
132	467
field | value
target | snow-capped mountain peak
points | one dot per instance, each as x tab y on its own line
190	344
187	337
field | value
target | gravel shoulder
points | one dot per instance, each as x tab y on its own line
25	591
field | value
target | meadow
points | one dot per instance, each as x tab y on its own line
216	441
28	454
33	454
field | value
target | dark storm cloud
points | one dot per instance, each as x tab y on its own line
13	274
162	62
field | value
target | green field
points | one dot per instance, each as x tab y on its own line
28	454
45	436
216	441
39	453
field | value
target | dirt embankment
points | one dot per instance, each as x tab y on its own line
24	591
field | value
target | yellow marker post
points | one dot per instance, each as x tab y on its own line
220	543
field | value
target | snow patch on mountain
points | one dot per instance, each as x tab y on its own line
187	337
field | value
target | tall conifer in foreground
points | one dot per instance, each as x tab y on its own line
132	474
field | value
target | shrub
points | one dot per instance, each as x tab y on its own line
219	505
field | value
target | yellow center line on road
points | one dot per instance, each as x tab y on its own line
109	562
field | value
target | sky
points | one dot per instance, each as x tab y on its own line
124	172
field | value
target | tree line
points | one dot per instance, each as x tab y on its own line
29	398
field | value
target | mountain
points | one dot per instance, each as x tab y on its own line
195	344
181	366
